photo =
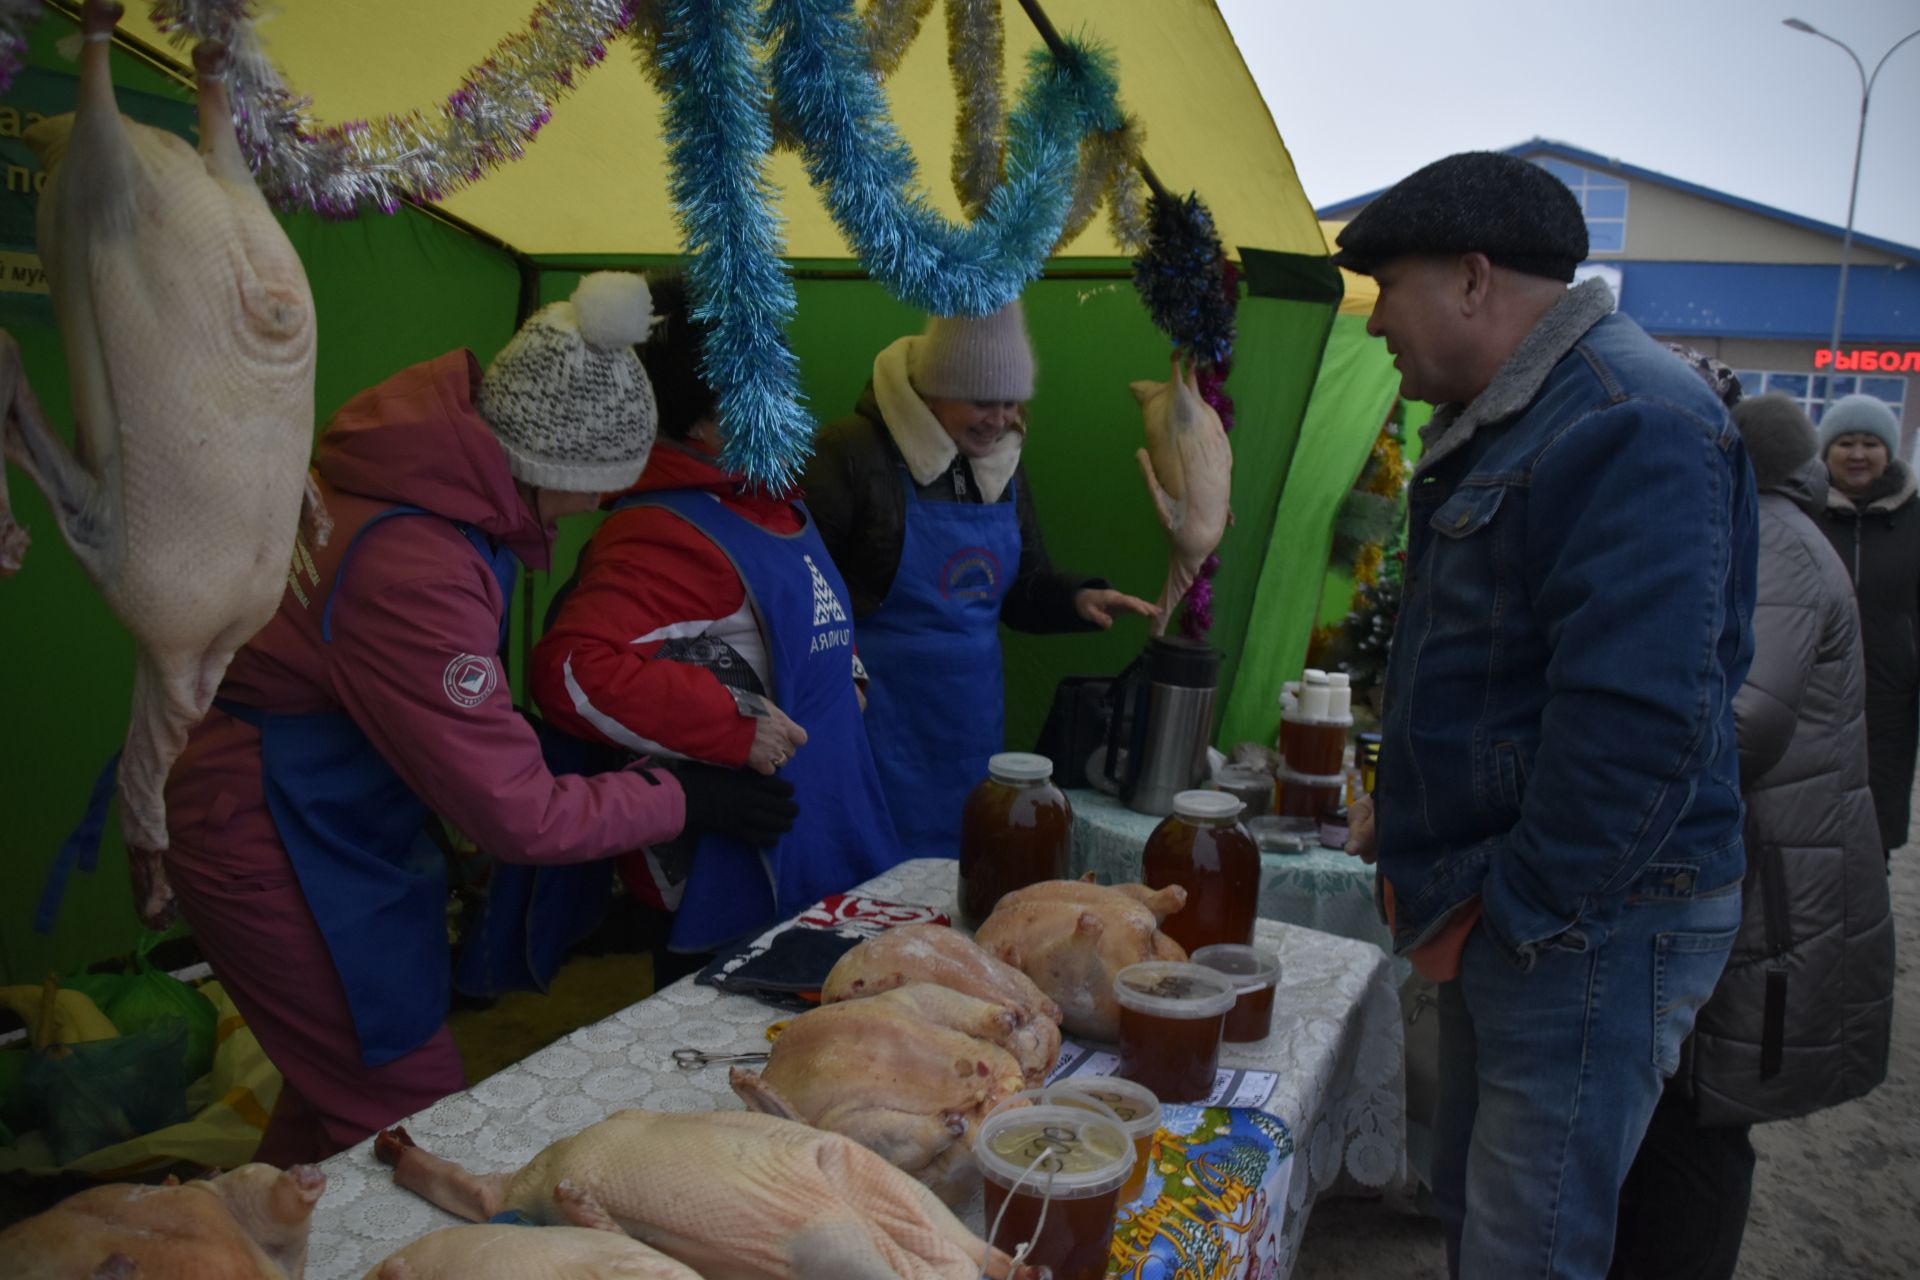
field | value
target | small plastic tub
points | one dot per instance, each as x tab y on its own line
1171	1016
1071	1162
1255	974
1134	1105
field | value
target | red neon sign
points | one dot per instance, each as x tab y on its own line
1866	360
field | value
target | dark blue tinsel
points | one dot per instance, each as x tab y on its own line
1179	278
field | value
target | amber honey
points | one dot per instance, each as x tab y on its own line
1053	1176
1255	974
1134	1105
1313	748
1203	848
1016	830
1171	1017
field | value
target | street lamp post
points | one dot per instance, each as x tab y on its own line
1853	194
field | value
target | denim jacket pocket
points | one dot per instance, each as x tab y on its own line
1467	511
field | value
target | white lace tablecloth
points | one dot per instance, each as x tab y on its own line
1324	889
1336	1046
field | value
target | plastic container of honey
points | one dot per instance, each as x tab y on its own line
1255	975
1303	795
1171	1017
1202	847
1134	1105
1069	1161
1016	830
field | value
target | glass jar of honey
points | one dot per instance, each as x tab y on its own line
1202	847
1134	1105
1171	1017
1016	830
1065	1162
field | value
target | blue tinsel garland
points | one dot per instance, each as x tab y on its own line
822	86
718	136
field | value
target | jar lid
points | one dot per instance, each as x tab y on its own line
1019	766
1207	804
1134	1105
1064	1152
1169	989
1313	675
1249	967
1291	778
1338	680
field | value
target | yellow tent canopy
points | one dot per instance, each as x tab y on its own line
595	180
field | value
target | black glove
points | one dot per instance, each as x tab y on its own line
754	807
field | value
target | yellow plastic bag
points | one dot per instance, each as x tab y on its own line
230	1107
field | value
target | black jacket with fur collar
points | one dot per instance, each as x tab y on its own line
853	489
1878	539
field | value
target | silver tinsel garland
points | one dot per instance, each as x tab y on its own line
425	154
975	54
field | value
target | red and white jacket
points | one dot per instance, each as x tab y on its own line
646	579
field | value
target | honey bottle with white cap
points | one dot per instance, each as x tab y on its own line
1202	847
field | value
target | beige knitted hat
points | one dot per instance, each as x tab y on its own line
974	357
567	397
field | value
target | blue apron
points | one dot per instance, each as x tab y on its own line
355	834
842	834
936	700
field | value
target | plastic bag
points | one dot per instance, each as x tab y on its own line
151	996
230	1107
107	1091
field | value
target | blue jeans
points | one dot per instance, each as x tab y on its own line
1548	1076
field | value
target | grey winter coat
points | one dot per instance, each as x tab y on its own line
1801	1018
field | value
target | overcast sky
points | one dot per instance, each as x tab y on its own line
1714	92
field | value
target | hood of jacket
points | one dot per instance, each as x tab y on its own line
1805	487
692	464
417	439
1519	381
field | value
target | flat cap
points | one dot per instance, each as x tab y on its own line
1488	202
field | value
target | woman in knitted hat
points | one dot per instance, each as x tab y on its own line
1873	521
921	499
375	697
707	623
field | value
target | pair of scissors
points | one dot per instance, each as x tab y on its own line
694	1059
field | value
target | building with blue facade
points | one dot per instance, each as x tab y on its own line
1749	284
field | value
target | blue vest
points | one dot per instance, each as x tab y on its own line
843	834
377	885
936	700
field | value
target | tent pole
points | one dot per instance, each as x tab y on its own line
1051	37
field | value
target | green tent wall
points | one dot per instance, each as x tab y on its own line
392	291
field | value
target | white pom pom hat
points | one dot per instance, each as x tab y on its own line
567	397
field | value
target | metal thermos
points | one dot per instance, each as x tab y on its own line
1164	716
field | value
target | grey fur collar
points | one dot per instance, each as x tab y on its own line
923	442
1895	487
1522	376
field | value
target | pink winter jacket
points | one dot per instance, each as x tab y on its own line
418	609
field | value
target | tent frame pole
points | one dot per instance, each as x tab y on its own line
1058	47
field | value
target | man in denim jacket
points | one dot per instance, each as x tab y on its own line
1558	809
